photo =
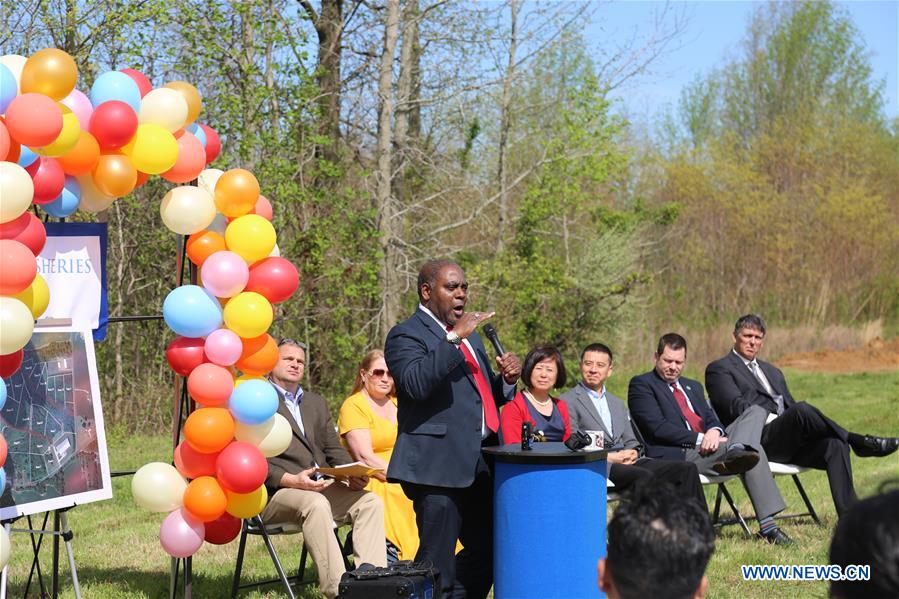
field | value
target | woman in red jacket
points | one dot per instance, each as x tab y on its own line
542	372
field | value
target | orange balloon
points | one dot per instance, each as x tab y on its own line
202	245
193	99
81	159
51	72
236	192
259	356
114	175
209	430
205	499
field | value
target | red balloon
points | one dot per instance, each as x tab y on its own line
3	451
113	123
213	143
141	179
210	384
222	530
34	120
274	278
5	142
185	353
9	363
48	178
28	230
17	267
143	84
241	467
193	464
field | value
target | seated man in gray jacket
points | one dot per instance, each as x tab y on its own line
593	408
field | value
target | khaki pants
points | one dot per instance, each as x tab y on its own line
317	512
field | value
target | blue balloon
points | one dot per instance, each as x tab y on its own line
2	480
27	156
66	202
2	393
191	311
198	131
253	402
114	85
8	87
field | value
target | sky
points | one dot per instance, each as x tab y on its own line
714	30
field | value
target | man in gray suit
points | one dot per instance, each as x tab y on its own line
591	407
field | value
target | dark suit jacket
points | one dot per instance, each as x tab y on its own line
585	417
733	388
439	409
656	413
320	445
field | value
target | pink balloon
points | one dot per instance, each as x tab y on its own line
223	347
224	274
181	535
81	107
263	208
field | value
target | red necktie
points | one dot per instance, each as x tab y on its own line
693	419
490	416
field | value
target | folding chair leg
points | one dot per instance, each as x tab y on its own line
274	555
241	547
717	513
808	504
733	507
301	570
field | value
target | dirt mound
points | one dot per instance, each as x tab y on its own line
877	355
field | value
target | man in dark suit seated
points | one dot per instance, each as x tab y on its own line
591	407
297	494
448	400
677	424
800	434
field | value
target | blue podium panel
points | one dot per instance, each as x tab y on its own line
549	522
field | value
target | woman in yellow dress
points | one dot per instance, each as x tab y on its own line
367	426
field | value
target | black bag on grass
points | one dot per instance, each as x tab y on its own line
401	579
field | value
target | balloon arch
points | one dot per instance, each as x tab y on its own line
64	150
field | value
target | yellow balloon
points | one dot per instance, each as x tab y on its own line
187	210
272	437
36	297
50	72
67	138
251	237
248	314
246	505
92	199
152	150
16	325
246	377
16	191
191	96
164	107
158	487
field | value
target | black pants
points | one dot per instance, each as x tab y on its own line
647	471
444	515
802	435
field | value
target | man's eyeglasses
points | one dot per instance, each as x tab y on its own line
289	341
380	372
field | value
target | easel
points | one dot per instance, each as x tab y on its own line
60	529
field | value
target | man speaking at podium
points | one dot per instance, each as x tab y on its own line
448	408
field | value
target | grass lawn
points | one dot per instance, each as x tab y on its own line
118	553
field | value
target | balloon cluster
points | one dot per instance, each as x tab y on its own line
224	349
82	151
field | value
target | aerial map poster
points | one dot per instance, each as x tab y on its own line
53	424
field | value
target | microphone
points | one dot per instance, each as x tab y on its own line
490	332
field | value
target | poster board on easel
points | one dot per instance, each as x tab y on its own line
53	425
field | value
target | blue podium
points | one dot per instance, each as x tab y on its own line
561	494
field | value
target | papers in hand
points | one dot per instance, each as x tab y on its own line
354	469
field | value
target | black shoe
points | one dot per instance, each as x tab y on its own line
875	447
775	536
736	461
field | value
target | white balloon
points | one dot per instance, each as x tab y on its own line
276	252
272	437
208	178
15	63
165	107
158	487
187	209
219	224
16	325
16	191
92	199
